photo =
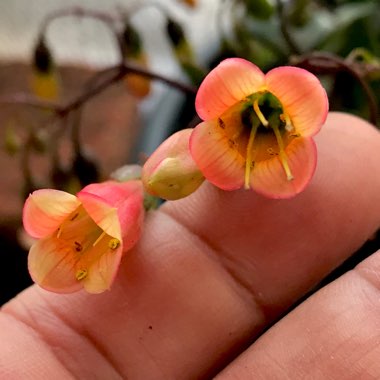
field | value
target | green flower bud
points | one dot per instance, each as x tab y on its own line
170	172
172	180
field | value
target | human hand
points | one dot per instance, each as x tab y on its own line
212	272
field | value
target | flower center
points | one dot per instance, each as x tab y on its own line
85	240
263	115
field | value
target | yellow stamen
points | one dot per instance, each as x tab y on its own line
248	162
282	154
259	114
81	274
59	232
288	124
114	243
99	238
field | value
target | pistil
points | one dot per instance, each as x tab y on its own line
259	114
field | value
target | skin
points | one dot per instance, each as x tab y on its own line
195	297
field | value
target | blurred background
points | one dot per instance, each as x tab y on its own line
67	118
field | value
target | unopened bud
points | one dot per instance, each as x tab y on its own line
44	80
138	85
175	32
182	49
132	44
170	172
42	58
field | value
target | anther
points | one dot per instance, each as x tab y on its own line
114	243
81	274
286	119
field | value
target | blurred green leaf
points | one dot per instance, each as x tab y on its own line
193	72
261	9
338	22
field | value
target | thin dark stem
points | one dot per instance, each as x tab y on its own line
284	25
80	13
116	73
135	69
120	72
327	63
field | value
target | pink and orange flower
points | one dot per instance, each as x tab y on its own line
257	128
82	238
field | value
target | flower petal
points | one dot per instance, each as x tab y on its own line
46	209
113	192
268	177
231	81
102	272
127	198
100	211
219	160
302	96
51	264
131	216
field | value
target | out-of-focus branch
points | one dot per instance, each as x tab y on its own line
116	74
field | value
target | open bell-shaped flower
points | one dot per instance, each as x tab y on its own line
257	128
82	238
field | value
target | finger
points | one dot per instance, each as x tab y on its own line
209	273
335	334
